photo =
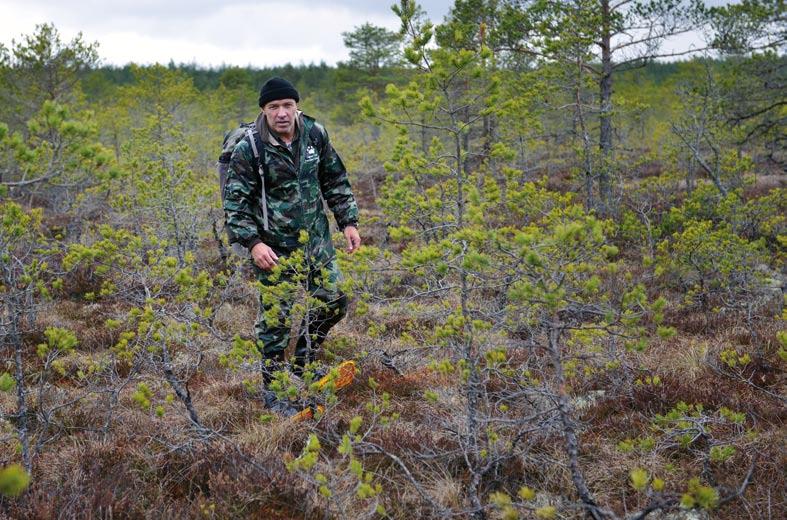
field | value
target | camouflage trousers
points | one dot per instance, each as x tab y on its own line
322	304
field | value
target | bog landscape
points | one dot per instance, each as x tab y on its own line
568	303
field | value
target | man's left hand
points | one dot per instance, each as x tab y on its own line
353	239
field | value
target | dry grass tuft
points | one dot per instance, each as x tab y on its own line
233	318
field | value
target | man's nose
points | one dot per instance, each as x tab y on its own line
281	113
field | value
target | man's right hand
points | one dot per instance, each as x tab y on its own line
263	256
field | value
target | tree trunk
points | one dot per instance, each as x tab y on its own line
605	115
468	354
567	421
579	118
15	311
181	389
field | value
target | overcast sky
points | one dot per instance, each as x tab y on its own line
207	32
213	32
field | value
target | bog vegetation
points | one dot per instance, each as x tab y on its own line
569	303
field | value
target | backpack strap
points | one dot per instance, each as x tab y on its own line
253	142
261	171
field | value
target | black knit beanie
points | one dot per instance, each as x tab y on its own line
277	88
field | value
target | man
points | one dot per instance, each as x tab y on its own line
274	207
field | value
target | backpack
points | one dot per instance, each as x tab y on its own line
231	139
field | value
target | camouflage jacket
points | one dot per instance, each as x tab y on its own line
296	182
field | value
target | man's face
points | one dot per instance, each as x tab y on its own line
280	115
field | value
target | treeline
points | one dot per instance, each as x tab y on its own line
336	91
310	79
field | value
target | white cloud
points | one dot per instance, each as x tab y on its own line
207	32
